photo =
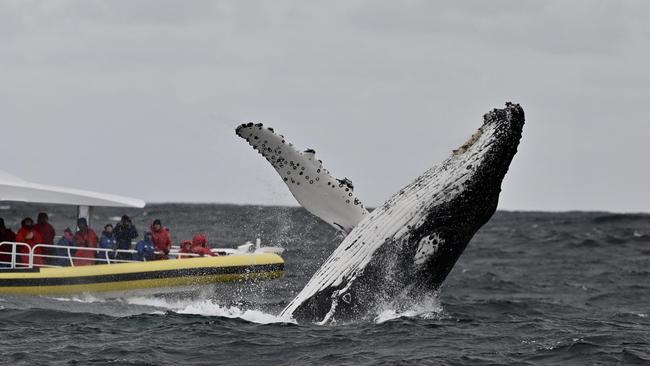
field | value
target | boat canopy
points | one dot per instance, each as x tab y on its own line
13	188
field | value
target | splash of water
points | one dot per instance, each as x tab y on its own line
206	307
427	307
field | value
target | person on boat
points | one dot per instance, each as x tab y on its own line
84	238
124	232
107	241
47	232
63	254
6	234
145	248
44	228
28	235
198	245
161	239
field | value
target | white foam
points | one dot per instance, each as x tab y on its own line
162	306
427	309
83	298
207	308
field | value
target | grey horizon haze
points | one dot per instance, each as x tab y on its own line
141	98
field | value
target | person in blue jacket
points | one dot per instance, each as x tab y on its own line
67	240
145	248
107	241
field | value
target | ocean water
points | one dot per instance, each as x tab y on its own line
531	289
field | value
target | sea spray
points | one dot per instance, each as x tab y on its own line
206	307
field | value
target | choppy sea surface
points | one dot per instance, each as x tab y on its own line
531	289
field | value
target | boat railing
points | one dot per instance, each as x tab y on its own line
51	252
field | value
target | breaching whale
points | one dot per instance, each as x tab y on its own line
406	248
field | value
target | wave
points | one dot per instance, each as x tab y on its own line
616	218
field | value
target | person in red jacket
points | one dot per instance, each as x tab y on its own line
6	235
47	232
44	228
28	235
85	238
161	239
198	245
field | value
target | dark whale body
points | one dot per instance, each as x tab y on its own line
406	248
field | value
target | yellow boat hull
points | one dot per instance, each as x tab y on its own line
161	275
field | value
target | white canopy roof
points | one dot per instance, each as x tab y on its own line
13	188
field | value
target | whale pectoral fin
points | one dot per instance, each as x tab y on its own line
324	196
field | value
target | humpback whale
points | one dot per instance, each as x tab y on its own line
404	249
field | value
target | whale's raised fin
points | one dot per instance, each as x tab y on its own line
312	185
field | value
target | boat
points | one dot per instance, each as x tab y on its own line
107	276
115	278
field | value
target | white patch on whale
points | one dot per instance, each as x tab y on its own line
427	248
329	198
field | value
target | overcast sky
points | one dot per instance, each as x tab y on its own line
141	98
